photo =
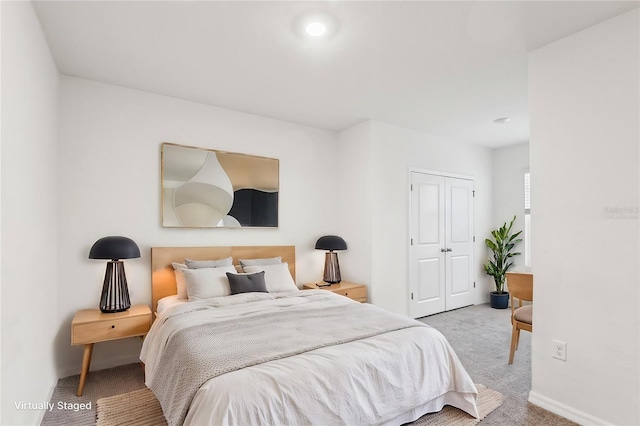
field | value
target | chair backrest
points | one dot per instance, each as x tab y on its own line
520	285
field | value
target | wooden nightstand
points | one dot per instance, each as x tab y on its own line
91	326
357	292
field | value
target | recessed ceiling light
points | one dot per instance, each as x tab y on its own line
316	29
316	25
502	120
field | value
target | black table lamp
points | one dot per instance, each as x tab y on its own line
331	265
115	293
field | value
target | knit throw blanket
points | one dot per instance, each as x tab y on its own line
198	353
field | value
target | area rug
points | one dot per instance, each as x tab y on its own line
488	400
141	408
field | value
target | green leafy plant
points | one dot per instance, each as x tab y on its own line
502	246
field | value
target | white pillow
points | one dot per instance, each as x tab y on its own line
260	262
205	283
277	277
180	282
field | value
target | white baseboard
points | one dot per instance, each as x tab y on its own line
564	410
41	413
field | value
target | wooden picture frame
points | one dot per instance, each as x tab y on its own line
207	188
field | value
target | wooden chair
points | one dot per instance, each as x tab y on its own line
520	287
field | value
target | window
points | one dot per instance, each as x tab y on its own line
527	219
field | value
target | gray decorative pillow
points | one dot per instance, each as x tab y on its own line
260	262
198	264
247	283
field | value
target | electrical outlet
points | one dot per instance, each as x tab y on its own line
559	350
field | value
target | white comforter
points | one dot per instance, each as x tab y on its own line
391	378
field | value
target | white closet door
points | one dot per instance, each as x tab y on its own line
441	250
459	242
427	259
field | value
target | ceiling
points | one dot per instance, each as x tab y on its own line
448	68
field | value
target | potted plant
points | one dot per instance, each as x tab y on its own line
502	246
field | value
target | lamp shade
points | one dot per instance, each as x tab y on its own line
331	242
114	248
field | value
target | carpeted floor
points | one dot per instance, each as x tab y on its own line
480	336
99	384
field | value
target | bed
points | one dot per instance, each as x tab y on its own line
289	356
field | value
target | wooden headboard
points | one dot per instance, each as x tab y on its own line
163	278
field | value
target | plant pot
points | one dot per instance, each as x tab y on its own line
499	300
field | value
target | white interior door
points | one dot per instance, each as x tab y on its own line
459	243
441	251
427	268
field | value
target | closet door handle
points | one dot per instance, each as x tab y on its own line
443	250
449	249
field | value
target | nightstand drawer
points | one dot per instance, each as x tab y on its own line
356	293
110	329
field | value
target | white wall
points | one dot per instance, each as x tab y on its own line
109	184
584	96
29	217
355	188
393	151
509	165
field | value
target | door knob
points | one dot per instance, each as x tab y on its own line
443	250
449	249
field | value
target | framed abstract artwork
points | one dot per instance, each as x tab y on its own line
206	188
